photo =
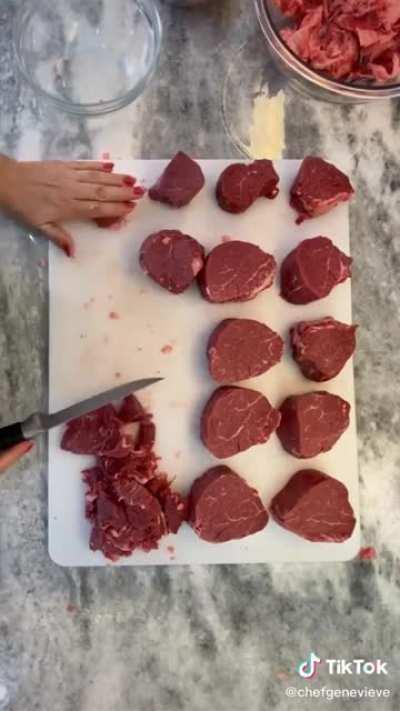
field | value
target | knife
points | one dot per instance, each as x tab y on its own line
40	422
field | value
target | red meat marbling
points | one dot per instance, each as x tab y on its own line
314	506
180	182
312	423
318	187
235	419
321	348
240	184
223	507
312	270
236	271
241	348
172	259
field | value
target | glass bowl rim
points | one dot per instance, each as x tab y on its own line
317	78
27	8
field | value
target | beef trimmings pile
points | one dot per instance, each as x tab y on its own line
346	39
129	503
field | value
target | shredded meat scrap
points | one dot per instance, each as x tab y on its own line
129	503
346	39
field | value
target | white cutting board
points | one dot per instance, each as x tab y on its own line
88	349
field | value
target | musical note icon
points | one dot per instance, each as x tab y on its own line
308	669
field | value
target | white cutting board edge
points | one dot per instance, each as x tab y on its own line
87	349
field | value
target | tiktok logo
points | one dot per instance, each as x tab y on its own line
309	668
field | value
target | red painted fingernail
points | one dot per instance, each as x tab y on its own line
108	166
139	191
30	445
127	180
69	250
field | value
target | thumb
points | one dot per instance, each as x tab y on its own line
12	455
60	237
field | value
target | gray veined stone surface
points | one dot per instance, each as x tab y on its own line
217	638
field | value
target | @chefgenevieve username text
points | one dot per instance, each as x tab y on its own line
330	694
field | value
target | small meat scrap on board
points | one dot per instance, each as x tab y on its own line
129	502
235	419
318	188
367	553
321	348
236	271
180	182
172	259
241	348
223	507
312	270
314	506
240	185
312	423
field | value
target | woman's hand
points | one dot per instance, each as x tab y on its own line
11	456
44	194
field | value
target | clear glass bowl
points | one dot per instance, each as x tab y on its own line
308	80
187	3
88	58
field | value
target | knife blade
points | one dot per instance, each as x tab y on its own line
41	422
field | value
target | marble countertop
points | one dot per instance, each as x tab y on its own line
221	638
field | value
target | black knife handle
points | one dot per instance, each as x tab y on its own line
11	435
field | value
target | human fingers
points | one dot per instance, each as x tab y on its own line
11	456
90	165
60	237
102	193
88	209
103	178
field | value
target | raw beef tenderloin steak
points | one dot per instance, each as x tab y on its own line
171	259
312	270
240	185
223	507
312	423
241	348
235	419
321	348
318	188
236	271
314	506
180	182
